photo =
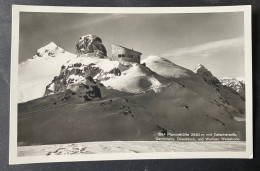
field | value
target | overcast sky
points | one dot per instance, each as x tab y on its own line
212	39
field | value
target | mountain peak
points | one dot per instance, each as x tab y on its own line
49	50
201	68
204	73
51	44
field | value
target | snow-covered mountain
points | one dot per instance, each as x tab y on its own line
235	84
35	73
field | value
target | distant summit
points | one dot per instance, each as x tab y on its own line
235	84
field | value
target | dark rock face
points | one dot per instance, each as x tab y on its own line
91	44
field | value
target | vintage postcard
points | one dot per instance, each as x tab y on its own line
130	83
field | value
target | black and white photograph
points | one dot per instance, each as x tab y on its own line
130	83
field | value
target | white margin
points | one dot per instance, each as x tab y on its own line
16	9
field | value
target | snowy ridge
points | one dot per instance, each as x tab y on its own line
165	67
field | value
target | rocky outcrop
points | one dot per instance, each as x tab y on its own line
86	89
91	44
83	75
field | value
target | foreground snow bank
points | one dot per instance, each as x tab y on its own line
131	147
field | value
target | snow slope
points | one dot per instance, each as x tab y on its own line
200	82
165	67
34	74
137	79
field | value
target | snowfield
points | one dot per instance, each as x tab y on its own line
130	147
